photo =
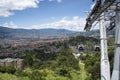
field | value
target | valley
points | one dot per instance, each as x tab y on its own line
53	58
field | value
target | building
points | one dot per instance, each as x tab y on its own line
16	63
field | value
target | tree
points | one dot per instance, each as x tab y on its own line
10	69
66	59
36	75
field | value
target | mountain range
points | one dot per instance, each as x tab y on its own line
9	33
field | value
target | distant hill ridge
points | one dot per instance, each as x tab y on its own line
9	33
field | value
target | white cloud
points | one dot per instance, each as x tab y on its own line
76	24
59	1
76	18
7	6
10	24
50	0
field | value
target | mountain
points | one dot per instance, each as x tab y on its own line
94	33
9	33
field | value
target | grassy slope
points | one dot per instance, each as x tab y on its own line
7	76
82	71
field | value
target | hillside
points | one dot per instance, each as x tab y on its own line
94	33
16	34
55	61
9	33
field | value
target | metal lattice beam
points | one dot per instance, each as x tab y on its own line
96	12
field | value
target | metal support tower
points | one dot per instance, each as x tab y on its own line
116	68
105	66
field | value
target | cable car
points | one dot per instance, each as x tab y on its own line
96	48
81	47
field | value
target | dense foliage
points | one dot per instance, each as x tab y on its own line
56	62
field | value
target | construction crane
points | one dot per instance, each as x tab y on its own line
98	14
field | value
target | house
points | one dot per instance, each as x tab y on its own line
16	63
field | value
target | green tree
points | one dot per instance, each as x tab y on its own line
36	75
2	69
66	59
10	69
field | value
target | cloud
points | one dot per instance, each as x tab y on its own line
7	6
10	24
59	1
75	24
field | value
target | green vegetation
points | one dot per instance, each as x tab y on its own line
47	64
7	76
7	69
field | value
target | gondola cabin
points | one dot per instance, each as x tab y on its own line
81	47
96	48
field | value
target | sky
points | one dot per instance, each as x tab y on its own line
39	14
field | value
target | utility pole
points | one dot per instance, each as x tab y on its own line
105	66
116	68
